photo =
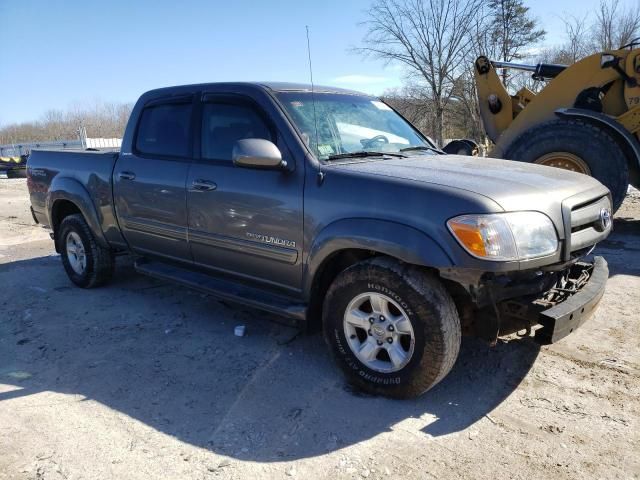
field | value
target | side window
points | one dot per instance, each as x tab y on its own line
223	124
164	130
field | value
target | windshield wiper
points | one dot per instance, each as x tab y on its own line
421	147
364	153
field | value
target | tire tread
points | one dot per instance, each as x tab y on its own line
439	355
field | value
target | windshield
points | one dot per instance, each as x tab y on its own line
349	124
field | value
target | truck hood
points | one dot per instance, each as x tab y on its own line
512	185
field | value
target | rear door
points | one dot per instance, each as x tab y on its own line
149	183
244	222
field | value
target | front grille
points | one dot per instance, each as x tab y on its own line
585	225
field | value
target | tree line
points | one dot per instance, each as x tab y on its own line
101	120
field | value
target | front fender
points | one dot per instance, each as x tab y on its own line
390	238
70	189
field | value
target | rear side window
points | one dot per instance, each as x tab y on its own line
164	130
223	124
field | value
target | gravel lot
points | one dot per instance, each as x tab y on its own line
142	379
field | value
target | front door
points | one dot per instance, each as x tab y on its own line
244	222
150	182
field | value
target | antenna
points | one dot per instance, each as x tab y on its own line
313	101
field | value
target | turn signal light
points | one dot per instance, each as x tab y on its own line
469	236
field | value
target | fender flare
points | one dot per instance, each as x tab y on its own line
386	237
70	189
612	126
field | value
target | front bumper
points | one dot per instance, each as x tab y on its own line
560	320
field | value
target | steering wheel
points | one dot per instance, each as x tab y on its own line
370	142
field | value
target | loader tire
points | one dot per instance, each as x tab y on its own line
578	146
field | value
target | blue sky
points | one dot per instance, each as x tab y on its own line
55	54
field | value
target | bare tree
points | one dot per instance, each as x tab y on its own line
613	26
465	115
576	46
605	25
413	103
430	38
53	122
629	26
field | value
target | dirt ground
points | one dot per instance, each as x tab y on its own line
143	379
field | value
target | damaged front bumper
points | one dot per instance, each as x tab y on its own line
576	303
552	301
563	305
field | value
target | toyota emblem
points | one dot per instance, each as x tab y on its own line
605	218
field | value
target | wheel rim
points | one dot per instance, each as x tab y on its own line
379	332
75	253
566	161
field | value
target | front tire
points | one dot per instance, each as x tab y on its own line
87	264
577	146
392	328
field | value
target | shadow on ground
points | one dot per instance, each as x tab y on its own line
167	357
622	245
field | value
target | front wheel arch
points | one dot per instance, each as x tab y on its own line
378	238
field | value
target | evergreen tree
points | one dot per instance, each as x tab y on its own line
513	31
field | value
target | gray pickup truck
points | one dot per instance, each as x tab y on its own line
328	208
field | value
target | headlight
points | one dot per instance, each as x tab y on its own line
505	236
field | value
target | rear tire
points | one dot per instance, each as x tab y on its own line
408	351
87	264
594	147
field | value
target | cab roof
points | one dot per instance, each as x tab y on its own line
306	87
272	86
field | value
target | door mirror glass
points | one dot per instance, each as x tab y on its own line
257	153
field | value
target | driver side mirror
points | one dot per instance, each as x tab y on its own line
257	153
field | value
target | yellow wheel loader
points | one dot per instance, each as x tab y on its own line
585	119
14	167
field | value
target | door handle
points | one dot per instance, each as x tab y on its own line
126	176
203	185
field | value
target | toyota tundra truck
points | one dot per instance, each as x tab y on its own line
326	207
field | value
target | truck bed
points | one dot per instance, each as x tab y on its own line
90	169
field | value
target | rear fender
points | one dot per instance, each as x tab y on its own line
72	190
389	238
